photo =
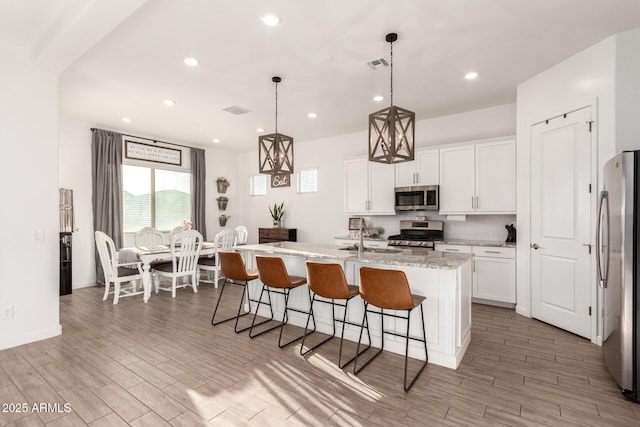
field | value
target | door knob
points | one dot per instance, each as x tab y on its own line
535	246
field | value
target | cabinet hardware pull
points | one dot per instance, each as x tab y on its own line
473	204
477	202
451	249
491	252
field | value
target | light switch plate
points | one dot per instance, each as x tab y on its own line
6	313
38	235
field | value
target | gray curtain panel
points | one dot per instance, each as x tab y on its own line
106	174
198	187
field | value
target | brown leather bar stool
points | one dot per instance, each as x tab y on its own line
389	290
275	279
328	282
235	273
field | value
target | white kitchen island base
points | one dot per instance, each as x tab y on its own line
444	279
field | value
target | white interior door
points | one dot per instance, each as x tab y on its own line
561	222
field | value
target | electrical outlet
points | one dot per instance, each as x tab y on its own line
6	313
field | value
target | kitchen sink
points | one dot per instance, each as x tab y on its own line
373	250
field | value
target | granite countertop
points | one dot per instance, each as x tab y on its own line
409	257
377	239
489	243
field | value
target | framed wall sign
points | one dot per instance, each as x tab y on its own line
354	223
152	153
281	180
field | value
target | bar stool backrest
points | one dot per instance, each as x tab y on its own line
387	289
327	280
233	267
273	272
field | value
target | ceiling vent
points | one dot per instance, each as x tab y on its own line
235	109
378	63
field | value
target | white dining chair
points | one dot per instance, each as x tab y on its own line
224	241
243	234
148	237
185	249
175	231
114	272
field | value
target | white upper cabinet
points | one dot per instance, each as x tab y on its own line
478	178
424	170
496	177
457	179
368	188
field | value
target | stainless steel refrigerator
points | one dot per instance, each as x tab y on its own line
618	260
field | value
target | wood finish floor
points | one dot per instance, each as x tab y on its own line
162	363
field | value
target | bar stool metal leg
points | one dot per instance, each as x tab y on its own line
254	324
285	319
244	289
406	353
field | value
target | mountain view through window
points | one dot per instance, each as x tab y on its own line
156	198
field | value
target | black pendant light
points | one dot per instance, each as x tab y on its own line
392	130
275	151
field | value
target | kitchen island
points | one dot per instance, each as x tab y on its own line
443	278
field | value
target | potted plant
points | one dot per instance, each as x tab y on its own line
277	211
222	202
222	219
223	184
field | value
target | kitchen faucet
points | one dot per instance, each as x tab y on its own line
361	245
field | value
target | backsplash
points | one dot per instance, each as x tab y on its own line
476	227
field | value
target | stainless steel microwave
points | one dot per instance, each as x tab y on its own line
418	198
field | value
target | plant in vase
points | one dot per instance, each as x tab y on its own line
222	219
277	211
187	224
223	184
222	202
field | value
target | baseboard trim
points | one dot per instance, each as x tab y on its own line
83	285
30	337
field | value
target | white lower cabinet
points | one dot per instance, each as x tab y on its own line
494	274
461	249
494	271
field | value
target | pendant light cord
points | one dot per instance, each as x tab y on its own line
276	107
391	73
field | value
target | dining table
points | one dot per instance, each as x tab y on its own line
154	254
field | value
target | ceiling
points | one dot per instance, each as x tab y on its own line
319	48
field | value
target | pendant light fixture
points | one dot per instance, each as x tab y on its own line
275	151
392	130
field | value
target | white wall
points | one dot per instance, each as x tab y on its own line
604	76
75	173
29	268
320	216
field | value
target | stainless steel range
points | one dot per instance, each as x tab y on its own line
418	234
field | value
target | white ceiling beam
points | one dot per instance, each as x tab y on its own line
78	29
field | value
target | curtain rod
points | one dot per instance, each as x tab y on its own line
148	139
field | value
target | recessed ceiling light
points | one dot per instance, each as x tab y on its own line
259	130
471	75
216	141
270	19
126	119
169	103
192	62
312	115
378	98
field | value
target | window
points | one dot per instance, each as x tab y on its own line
308	180
156	198
258	185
